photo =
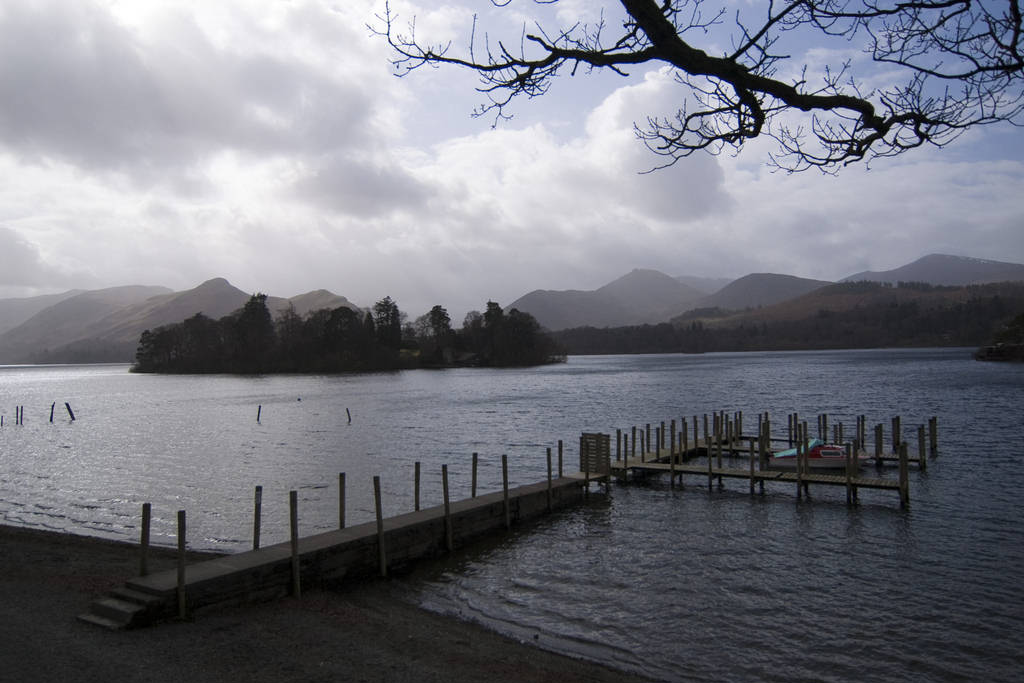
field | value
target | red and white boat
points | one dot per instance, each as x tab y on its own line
820	456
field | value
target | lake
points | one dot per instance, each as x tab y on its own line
679	584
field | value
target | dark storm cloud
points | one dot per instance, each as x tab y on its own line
79	88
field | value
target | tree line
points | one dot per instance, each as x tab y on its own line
252	341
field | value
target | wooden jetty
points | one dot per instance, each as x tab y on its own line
379	547
373	548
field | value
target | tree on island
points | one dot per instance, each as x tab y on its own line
250	341
937	68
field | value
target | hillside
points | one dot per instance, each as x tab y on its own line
843	315
943	269
105	325
760	289
641	296
14	312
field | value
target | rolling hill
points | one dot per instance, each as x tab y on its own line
105	325
943	269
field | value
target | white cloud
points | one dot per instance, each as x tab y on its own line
270	144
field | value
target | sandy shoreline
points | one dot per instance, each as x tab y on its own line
361	633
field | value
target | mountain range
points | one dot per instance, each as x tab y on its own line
104	325
650	296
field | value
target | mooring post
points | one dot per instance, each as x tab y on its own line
684	440
504	487
416	487
549	479
472	486
707	447
449	541
799	467
257	515
922	463
181	565
559	458
381	555
147	517
643	447
904	477
52	405
849	474
341	500
259	411
648	434
618	445
752	467
897	436
293	533
672	458
878	445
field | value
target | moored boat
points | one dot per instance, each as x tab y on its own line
820	456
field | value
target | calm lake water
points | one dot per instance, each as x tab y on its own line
676	584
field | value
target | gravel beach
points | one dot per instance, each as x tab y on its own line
360	633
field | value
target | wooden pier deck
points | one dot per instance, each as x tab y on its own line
367	549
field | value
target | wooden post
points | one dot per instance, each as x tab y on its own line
904	478
921	449
71	413
259	411
586	470
181	564
897	436
257	515
878	445
449	541
618	445
799	469
504	486
933	435
147	517
293	534
632	440
416	487
559	458
707	447
684	440
52	405
549	479
672	458
341	500
643	447
382	560
752	467
472	490
849	474
648	434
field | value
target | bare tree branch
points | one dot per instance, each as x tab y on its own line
950	65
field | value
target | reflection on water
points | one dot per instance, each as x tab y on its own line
679	584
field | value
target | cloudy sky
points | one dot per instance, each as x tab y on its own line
166	143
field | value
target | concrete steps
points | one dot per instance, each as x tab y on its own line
124	608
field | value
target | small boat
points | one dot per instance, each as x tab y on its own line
820	456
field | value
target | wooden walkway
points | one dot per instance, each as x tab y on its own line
681	464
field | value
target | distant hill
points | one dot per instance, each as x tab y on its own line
14	312
641	296
105	325
65	321
760	289
942	269
707	285
839	316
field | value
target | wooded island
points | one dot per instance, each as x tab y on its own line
343	339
